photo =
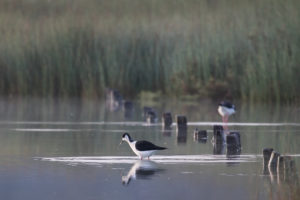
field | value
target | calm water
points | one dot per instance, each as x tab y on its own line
69	149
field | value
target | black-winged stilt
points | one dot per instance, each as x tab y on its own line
226	109
141	148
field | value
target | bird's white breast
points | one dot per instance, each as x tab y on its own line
225	111
142	154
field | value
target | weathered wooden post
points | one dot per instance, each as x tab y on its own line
181	128
200	135
217	128
283	165
146	110
127	108
113	99
113	96
151	117
167	120
286	170
273	160
233	141
218	140
181	122
127	105
266	156
280	164
219	135
219	149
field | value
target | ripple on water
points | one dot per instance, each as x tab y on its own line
173	159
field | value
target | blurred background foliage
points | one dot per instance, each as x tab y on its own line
242	49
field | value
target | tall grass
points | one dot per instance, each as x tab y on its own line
247	49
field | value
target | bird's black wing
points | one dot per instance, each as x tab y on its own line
147	146
227	104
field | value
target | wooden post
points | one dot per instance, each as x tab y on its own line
128	109
232	152
233	140
113	99
280	164
219	135
219	148
151	117
266	156
283	165
181	128
200	135
273	160
127	105
217	128
167	120
181	122
286	170
146	110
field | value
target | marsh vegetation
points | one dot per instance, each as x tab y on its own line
234	48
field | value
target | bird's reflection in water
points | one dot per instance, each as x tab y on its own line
142	169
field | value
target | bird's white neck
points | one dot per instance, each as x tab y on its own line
131	144
133	141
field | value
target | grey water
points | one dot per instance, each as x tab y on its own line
69	149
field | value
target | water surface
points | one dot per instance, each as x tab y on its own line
69	149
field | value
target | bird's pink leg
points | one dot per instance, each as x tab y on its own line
148	158
226	123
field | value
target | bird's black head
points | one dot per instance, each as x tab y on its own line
126	136
226	104
126	181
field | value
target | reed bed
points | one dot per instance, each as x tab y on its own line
247	49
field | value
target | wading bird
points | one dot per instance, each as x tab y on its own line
141	148
226	109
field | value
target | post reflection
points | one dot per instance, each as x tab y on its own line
181	136
283	179
141	169
219	149
232	153
167	131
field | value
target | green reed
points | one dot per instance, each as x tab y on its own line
219	49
